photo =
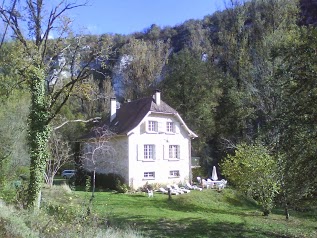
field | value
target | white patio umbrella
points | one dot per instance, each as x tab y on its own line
214	176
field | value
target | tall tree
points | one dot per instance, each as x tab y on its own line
14	101
48	92
297	118
192	87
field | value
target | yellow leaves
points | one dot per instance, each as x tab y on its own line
86	91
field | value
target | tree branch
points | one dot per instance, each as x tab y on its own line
77	120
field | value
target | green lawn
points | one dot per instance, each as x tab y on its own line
198	214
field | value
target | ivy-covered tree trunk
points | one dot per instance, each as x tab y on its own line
36	66
38	136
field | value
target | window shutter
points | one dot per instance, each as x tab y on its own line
158	152
165	152
177	127
143	128
160	127
180	153
146	126
154	152
140	152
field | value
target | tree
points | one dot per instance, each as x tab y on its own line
247	34
253	171
296	119
192	87
98	154
60	154
13	150
48	92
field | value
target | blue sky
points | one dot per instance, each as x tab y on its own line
128	16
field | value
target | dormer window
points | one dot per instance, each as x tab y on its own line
170	127
152	126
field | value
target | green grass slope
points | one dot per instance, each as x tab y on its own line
199	214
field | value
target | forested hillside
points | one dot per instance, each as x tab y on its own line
246	74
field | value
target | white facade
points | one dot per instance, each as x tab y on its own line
161	168
151	144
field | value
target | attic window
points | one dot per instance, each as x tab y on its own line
152	126
170	127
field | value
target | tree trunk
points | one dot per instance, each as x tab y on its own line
285	203
38	135
92	192
93	185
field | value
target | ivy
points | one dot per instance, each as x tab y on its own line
38	134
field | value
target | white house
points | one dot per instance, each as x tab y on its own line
146	142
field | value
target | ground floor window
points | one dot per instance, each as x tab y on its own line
149	175
174	173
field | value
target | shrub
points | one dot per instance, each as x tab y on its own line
23	172
121	187
56	221
198	172
253	171
104	181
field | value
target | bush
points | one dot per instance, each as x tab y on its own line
103	181
55	220
121	187
109	181
198	172
23	172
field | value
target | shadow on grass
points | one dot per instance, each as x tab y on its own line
181	204
192	227
308	214
185	216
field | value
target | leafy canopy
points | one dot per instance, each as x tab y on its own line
253	171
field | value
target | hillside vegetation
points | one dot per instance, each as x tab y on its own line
243	79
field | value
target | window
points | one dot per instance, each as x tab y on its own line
149	175
173	151
149	151
152	126
170	127
174	173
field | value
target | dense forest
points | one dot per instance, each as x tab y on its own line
242	76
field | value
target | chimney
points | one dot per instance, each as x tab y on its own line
157	97
113	108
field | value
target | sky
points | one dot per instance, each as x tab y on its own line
128	16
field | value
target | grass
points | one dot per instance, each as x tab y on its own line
60	216
198	214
